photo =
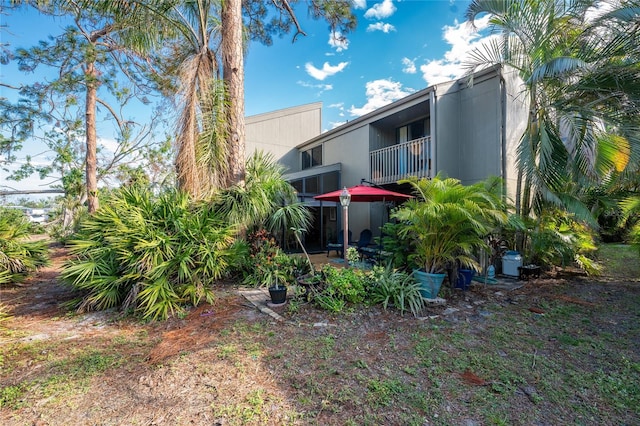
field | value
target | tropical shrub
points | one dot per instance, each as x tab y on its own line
266	200
397	245
446	222
341	286
266	264
631	215
150	254
391	287
18	255
556	237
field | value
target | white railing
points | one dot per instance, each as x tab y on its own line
390	164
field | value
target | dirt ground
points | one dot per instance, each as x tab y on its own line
228	363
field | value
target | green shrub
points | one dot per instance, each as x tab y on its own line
392	287
18	255
266	264
341	286
152	254
558	238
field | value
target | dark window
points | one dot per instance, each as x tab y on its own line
297	184
306	159
316	156
411	131
416	129
312	157
311	185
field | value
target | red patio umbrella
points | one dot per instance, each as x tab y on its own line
364	194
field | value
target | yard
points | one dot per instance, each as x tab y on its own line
562	349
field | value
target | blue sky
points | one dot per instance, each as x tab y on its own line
398	47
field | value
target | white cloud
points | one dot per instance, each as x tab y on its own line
381	26
334	124
339	105
462	38
321	87
381	10
326	71
338	41
409	66
110	145
359	4
380	93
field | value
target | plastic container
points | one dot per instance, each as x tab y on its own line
511	261
464	278
491	272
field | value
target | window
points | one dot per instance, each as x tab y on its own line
312	157
297	184
411	131
311	185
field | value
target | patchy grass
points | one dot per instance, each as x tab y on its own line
620	261
487	357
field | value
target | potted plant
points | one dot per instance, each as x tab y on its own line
268	266
445	225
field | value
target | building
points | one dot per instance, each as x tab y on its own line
465	129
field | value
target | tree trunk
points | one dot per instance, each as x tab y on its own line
186	167
91	138
233	75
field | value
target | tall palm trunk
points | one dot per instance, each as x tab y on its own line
186	168
233	75
91	138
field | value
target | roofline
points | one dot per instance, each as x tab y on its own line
283	111
407	99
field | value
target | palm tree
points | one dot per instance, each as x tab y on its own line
569	142
194	28
265	200
233	70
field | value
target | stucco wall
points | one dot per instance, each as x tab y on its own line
352	150
279	132
517	102
448	122
480	153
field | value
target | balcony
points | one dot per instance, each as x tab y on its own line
390	164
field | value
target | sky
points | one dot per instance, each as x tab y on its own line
398	47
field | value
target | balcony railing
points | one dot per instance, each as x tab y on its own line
390	164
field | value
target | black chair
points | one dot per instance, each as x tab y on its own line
365	239
339	245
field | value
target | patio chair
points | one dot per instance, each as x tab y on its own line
338	246
365	239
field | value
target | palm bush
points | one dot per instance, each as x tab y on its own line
391	287
446	223
631	210
18	255
265	201
151	254
558	238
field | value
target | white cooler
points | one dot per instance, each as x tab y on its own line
511	261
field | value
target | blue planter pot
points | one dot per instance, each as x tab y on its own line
464	278
429	283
